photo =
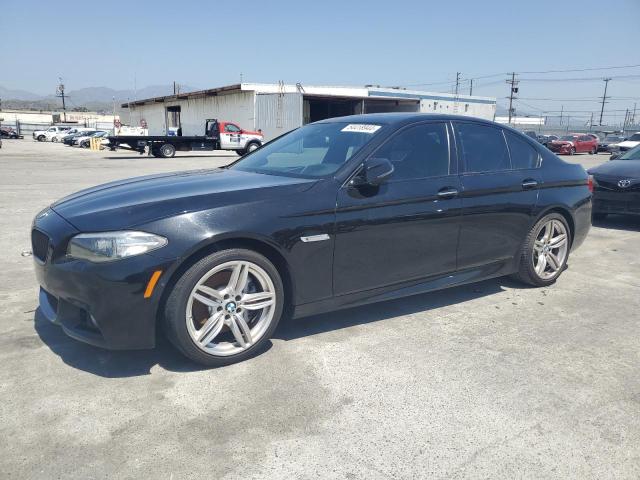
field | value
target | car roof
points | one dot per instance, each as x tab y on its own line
401	118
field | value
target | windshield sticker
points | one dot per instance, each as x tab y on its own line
361	128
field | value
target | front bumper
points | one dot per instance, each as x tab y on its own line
100	304
561	150
616	202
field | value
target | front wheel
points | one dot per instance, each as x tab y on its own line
545	251
41	138
167	150
572	151
225	307
252	146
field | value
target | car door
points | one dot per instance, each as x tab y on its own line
230	137
500	182
406	228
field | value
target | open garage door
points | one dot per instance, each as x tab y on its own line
319	108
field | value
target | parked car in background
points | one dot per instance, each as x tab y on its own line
58	137
622	147
85	141
335	214
617	185
531	134
609	141
546	139
8	132
574	143
49	133
69	139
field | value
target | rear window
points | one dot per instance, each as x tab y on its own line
523	155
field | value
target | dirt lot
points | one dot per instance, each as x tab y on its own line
491	380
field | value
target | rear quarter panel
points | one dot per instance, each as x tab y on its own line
565	188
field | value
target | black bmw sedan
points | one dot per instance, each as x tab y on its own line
617	186
335	214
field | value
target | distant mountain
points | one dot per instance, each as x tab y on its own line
93	98
9	94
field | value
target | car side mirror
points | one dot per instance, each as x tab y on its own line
374	172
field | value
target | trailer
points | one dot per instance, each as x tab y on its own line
218	135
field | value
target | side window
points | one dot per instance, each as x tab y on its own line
230	127
418	152
483	148
523	155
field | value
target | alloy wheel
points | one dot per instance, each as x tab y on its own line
550	249
230	308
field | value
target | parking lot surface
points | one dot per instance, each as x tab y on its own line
491	380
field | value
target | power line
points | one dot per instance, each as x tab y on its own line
585	69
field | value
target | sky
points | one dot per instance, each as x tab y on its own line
419	44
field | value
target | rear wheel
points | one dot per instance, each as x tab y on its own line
225	307
167	150
54	139
594	151
545	251
240	152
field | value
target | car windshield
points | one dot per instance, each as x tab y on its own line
635	137
313	151
633	154
568	138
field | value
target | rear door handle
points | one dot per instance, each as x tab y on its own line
447	192
529	183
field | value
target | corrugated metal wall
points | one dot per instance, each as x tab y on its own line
234	107
278	113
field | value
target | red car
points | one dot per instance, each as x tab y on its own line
574	143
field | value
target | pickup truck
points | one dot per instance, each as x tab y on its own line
217	136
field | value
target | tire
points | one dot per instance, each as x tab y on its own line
598	216
84	145
167	150
572	151
251	146
155	152
532	249
186	318
241	152
41	138
54	139
594	151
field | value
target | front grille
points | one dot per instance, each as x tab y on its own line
39	244
612	184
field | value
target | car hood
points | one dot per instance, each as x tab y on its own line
559	143
628	144
618	168
126	203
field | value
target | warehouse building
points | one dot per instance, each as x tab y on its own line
278	108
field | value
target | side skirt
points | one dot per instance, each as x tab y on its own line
405	289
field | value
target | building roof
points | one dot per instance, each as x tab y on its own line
369	91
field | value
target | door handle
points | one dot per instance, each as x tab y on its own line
447	192
529	183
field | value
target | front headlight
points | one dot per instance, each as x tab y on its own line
109	246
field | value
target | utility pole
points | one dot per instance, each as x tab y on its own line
591	121
60	93
604	97
514	89
561	112
471	88
457	82
633	121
